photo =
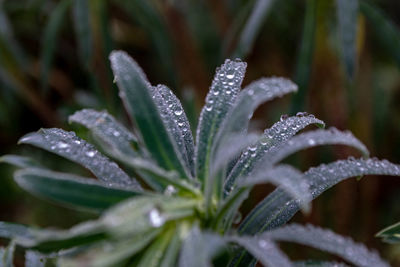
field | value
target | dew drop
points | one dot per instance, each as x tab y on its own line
90	154
178	112
263	243
155	218
116	133
169	190
230	76
62	145
77	142
208	108
284	117
311	142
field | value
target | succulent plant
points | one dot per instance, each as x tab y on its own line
167	200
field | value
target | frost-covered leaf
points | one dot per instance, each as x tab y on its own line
70	190
278	207
317	263
34	259
178	121
277	134
137	95
249	99
328	241
222	94
263	250
347	16
390	234
199	248
113	136
68	145
20	161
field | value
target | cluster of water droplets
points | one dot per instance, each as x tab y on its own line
68	145
109	130
280	132
266	89
327	240
178	116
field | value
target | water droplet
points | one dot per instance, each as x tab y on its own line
311	142
250	92
155	218
284	117
116	133
77	142
230	76
178	112
228	92
216	92
169	190
90	153
263	243
62	145
208	108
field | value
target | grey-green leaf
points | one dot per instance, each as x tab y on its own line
136	93
222	94
326	240
8	256
390	234
68	145
20	161
249	99
347	15
70	190
277	134
317	263
263	250
34	259
114	138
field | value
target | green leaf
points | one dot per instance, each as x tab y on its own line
263	250
50	36
8	255
221	97
317	263
101	255
81	16
198	248
347	15
274	136
20	161
252	27
390	234
305	56
153	255
137	95
34	259
178	121
112	136
171	254
250	98
328	241
279	207
69	146
70	190
383	28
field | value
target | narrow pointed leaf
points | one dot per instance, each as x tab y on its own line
252	27
70	190
249	99
198	249
328	241
277	134
34	259
176	121
81	17
390	234
136	93
8	255
279	207
51	31
68	145
112	136
153	255
222	94
171	254
20	161
347	15
263	250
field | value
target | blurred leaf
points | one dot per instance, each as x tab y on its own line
73	191
154	253
252	27
81	16
8	255
384	29
19	161
347	16
390	234
68	145
137	95
50	36
34	259
305	56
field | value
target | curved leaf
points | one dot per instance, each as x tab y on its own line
68	145
390	234
137	95
20	161
277	134
222	94
326	240
153	255
71	190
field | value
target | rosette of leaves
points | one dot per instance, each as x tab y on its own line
166	200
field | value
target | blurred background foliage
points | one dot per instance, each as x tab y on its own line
344	55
